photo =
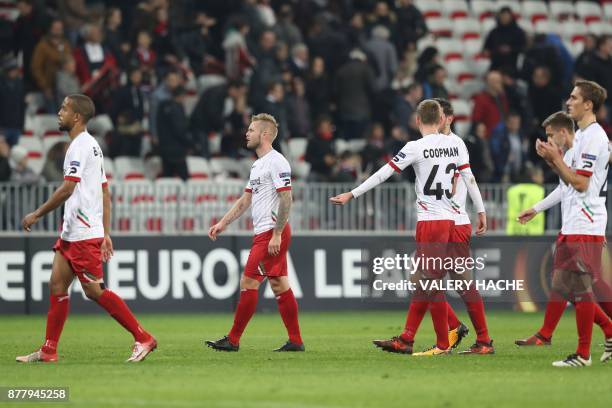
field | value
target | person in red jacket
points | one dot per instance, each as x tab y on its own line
491	105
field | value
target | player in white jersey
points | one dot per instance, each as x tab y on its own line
560	131
459	247
435	158
84	242
580	244
268	192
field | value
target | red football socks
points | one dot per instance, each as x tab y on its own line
603	293
453	321
119	310
476	311
416	312
59	306
288	309
585	313
554	310
244	311
439	316
603	321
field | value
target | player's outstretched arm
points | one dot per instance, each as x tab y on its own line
547	202
239	207
282	216
476	197
375	179
552	155
58	198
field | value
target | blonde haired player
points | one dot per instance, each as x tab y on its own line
268	192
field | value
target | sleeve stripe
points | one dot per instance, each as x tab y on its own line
283	188
105	184
463	167
584	173
248	190
71	178
394	167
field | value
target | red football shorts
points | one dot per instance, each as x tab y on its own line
260	263
579	253
84	258
432	239
459	242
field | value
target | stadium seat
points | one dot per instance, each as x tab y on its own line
9	13
301	169
607	10
225	167
246	163
190	101
546	27
534	10
526	25
440	26
109	168
467	28
297	148
198	167
36	164
44	123
135	202
51	140
473	46
128	168
573	30
341	146
33	145
561	9
169	193
482	9
458	70
479	64
462	128
574	47
356	145
429	8
487	24
453	88
470	87
214	143
450	49
100	125
456	9
463	110
153	167
588	11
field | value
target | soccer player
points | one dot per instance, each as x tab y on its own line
84	242
577	263
459	247
435	158
269	192
559	128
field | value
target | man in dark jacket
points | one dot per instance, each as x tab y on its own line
127	114
354	88
320	152
174	142
597	65
505	41
12	104
274	104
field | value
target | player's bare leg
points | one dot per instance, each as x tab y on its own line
244	312
144	343
288	309
59	284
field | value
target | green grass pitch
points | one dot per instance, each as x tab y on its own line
340	368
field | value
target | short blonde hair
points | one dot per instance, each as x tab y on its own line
266	117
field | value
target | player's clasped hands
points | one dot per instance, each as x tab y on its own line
341	199
547	150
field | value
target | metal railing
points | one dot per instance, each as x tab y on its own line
176	207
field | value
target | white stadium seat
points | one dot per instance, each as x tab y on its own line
198	167
457	68
440	26
450	48
546	26
300	169
297	148
463	109
462	127
429	8
479	64
43	123
561	9
486	25
534	10
129	168
473	46
109	168
526	25
245	164
470	88
573	29
607	10
225	167
33	145
100	125
589	11
153	167
50	141
456	9
483	8
467	28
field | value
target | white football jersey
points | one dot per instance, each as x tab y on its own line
435	158
458	201
84	164
269	175
585	213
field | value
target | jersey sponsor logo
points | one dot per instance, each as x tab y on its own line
283	175
399	156
255	182
75	163
441	152
589	156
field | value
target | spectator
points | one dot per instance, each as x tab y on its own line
66	81
128	114
174	142
434	86
428	58
47	60
113	34
491	105
28	30
516	94
275	105
405	104
5	153
236	122
354	88
543	53
298	110
164	91
318	89
477	145
411	25
382	15
590	43
373	154
320	152
75	13
299	60
332	45
384	57
53	169
347	169
602	118
267	69
20	172
545	99
505	41
96	68
285	29
198	45
507	149
237	56
597	65
399	137
145	57
12	102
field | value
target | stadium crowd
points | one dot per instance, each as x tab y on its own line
174	75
